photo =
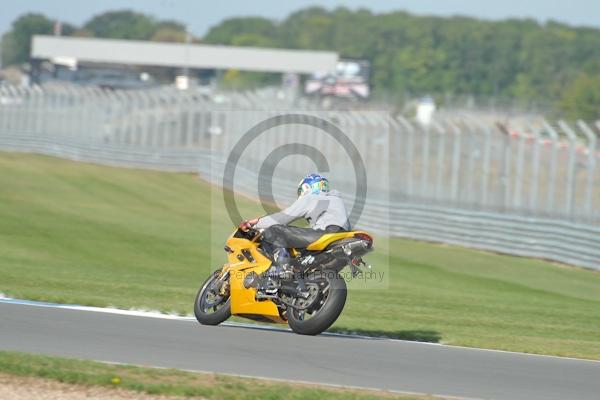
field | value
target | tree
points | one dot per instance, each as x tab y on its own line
582	98
167	34
228	30
445	57
16	44
434	55
122	25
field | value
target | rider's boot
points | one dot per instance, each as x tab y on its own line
282	266
280	269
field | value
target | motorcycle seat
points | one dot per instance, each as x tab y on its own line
325	240
304	238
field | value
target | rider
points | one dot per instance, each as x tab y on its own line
323	209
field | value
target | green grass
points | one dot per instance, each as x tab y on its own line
81	233
172	382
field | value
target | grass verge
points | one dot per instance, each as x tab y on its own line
172	382
94	235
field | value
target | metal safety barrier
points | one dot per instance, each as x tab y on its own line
528	189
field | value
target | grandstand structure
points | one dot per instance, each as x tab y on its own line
182	55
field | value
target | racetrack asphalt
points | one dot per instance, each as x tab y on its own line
386	364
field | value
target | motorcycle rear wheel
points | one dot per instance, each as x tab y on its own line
207	310
327	308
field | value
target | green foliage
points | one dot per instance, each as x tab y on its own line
450	56
122	25
253	31
582	98
16	44
226	32
415	55
166	34
242	80
132	25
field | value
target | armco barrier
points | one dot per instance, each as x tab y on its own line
164	159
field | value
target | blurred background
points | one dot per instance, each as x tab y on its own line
483	117
534	57
477	124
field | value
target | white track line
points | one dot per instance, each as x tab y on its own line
159	315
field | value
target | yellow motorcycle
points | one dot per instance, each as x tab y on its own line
309	299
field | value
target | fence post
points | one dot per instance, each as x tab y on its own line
455	162
552	171
25	102
4	111
61	111
424	131
473	154
68	99
152	118
81	123
441	152
591	165
535	171
13	117
102	102
142	122
409	155
382	143
20	96
506	169
518	186
570	186
191	106
485	170
395	148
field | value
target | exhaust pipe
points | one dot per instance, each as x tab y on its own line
355	248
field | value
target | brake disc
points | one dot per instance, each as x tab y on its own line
312	298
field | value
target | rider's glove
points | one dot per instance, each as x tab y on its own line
246	225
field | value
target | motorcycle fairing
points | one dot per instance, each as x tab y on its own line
243	300
328	238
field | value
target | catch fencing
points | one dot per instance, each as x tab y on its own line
529	188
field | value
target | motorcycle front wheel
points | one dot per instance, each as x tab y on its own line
326	300
211	307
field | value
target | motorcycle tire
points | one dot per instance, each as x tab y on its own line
329	311
212	318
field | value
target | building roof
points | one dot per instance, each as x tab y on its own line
135	52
